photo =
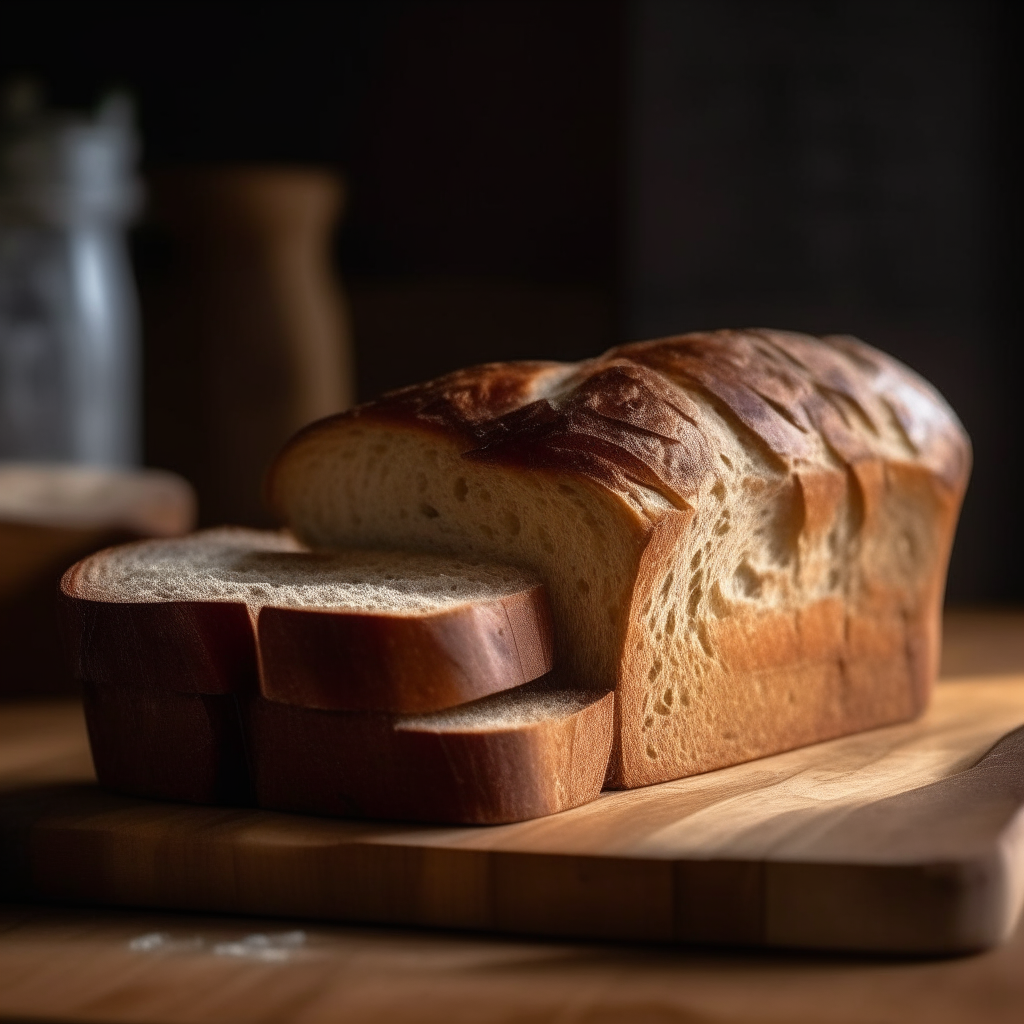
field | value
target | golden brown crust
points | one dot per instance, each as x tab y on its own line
163	681
403	664
160	684
376	766
179	646
853	470
626	416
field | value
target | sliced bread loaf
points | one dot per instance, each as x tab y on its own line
744	533
397	632
347	631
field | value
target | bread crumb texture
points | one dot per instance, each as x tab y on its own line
511	710
260	568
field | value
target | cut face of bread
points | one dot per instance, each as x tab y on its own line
745	534
354	630
522	754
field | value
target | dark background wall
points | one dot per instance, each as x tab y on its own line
848	167
545	179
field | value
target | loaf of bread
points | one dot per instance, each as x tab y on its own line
348	682
745	534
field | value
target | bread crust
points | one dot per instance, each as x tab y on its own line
403	664
160	684
162	744
179	646
858	453
377	766
623	416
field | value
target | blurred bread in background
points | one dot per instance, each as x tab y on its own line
51	515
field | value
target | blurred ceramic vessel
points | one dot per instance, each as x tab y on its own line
247	332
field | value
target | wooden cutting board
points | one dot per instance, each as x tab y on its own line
905	839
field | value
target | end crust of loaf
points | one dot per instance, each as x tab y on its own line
745	534
133	615
161	677
523	754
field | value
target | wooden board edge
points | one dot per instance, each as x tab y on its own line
955	881
965	899
909	909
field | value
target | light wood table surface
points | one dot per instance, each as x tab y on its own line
98	965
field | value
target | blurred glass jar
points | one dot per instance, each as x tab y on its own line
69	347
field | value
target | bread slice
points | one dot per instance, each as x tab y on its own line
347	631
744	533
399	632
516	755
175	631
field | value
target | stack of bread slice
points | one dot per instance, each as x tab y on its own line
235	665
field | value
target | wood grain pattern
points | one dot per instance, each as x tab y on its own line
904	839
146	967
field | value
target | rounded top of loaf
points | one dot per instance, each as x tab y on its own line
630	417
